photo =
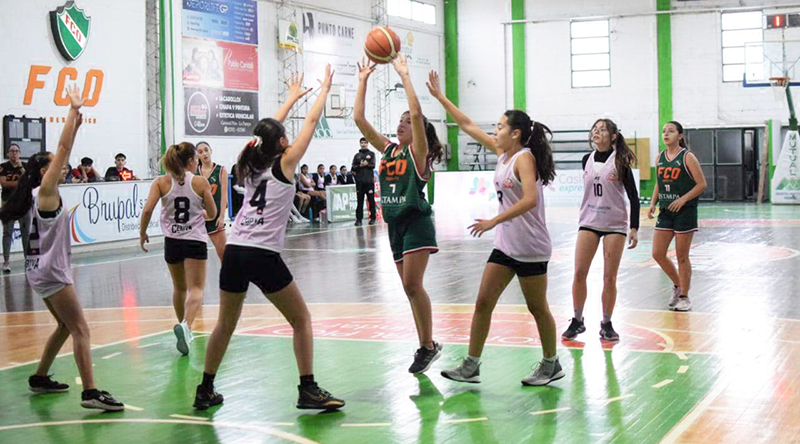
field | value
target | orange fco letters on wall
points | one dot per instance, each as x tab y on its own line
394	168
92	84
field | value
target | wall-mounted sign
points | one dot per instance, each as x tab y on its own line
70	27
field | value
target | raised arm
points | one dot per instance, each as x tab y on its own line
297	150
419	140
375	138
462	120
296	91
48	193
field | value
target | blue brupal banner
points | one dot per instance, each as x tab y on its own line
228	20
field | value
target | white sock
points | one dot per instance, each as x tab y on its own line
551	360
474	360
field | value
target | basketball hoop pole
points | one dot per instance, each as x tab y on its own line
792	116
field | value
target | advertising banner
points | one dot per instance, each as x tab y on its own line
289	35
219	64
229	20
104	212
786	181
341	201
217	112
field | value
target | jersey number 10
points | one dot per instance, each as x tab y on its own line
598	190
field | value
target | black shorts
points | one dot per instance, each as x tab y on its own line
522	269
600	233
242	265
176	250
211	226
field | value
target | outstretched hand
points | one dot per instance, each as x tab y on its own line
327	79
481	226
365	68
75	100
434	87
400	64
295	85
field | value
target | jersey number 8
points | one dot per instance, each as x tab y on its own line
181	210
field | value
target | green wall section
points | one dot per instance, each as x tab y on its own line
664	45
162	76
518	54
451	78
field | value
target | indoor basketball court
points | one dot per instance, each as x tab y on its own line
724	371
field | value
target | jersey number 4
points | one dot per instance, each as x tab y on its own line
259	199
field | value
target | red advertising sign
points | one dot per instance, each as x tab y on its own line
240	66
217	64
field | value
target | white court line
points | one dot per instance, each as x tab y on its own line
99	346
287	424
682	369
682	356
193	418
148	345
698	410
216	424
134	408
111	355
460	421
371	424
618	398
78	380
662	383
545	412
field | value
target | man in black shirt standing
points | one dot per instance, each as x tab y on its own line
118	171
10	172
364	170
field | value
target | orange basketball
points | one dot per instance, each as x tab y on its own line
382	45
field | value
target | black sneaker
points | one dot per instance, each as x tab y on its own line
314	397
206	398
43	384
607	332
372	222
575	328
423	358
358	223
98	399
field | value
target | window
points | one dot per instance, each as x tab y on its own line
739	28
590	49
413	10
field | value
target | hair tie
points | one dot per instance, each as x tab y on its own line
255	141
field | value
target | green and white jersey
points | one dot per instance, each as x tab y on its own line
401	184
674	179
214	181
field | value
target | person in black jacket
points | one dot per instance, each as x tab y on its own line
332	178
319	178
364	171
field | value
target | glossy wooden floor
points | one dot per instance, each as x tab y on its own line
726	372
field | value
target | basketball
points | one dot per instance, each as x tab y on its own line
382	45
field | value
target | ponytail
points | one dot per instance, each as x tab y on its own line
536	136
22	200
177	159
262	150
435	148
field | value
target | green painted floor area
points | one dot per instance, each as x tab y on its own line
384	403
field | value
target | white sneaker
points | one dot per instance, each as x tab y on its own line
6	267
676	293
544	373
684	304
468	371
183	334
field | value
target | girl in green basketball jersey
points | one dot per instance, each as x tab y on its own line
404	171
218	179
680	182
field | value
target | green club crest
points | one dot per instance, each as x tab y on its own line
70	27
